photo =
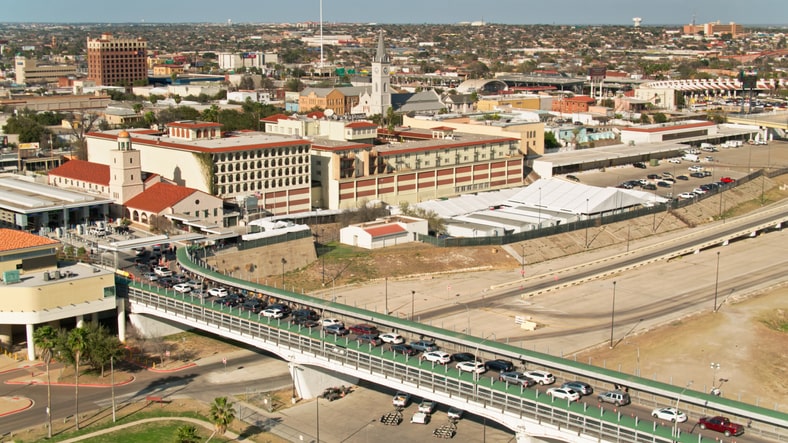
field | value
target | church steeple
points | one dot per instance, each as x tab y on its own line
381	56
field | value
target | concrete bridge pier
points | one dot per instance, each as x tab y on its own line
311	381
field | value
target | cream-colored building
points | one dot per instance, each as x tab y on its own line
273	168
29	72
38	290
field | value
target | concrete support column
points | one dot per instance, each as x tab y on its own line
6	335
94	318
80	321
31	346
521	437
121	304
311	381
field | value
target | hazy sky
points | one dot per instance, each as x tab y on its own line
619	12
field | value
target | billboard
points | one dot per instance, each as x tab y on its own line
597	73
248	55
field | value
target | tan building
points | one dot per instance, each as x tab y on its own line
491	103
39	290
339	100
167	70
715	28
29	72
273	168
117	61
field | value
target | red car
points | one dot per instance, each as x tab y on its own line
363	329
721	424
727	180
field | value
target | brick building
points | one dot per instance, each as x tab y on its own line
117	61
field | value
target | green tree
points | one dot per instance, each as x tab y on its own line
27	127
221	414
102	346
294	85
77	341
644	118
660	117
435	224
186	434
550	141
210	114
46	339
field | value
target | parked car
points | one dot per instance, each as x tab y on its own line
305	313
254	305
564	393
304	322
639	165
231	300
669	414
162	271
516	378
675	160
541	377
336	329
580	387
401	400
392	338
427	406
476	367
697	175
182	288
372	339
652	176
682	177
618	398
420	418
281	306
150	276
362	329
650	187
573	178
332	321
699	191
455	413
727	180
463	356
218	292
663	184
403	349
271	312
439	357
499	365
695	168
687	195
424	345
721	424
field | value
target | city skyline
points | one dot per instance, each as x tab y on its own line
560	12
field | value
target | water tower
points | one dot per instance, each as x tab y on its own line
637	21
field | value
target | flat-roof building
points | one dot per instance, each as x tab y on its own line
117	61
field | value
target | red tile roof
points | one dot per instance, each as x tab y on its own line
159	197
388	229
361	125
82	170
316	114
275	118
11	239
191	124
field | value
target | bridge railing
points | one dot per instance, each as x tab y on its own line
377	364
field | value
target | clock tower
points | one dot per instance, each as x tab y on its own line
380	95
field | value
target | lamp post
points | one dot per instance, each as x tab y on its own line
412	304
612	314
717	281
284	262
714	368
468	311
675	433
386	293
522	260
540	208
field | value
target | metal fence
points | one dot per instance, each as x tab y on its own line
604	219
266	241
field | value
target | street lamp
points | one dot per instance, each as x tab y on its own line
412	303
284	262
717	281
675	433
540	208
468	310
612	314
587	217
522	260
714	368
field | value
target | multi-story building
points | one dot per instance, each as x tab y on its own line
38	290
198	155
117	61
230	61
569	105
29	72
715	28
339	100
435	163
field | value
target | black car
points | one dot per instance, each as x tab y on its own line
499	365
640	165
663	184
304	322
573	178
697	175
682	177
463	356
403	349
253	305
650	186
305	313
369	338
652	176
232	300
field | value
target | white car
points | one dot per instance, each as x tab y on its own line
332	321
150	276
420	418
669	414
475	367
687	195
455	414
695	168
439	357
273	313
699	191
217	292
427	406
162	271
564	393
541	377
675	160
392	338
182	288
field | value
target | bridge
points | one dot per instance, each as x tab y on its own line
777	120
527	411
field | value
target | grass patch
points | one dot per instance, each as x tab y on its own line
153	432
776	320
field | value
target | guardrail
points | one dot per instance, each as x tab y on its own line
509	403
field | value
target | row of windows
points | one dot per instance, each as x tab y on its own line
474	187
266	173
280	162
260	153
259	186
84	185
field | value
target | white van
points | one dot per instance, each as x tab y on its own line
97	231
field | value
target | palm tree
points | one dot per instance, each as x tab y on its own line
77	342
222	414
45	337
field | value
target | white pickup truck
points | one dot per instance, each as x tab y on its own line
401	400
